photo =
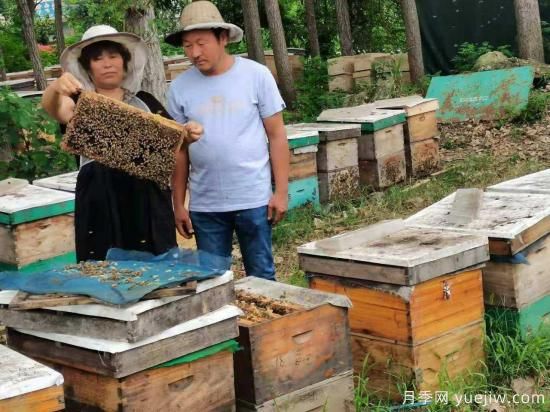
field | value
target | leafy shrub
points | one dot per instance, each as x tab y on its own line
468	53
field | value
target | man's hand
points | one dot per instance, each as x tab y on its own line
194	131
183	222
277	207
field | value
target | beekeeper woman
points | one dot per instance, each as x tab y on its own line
113	209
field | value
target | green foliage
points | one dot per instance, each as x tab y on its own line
29	140
468	53
81	15
14	50
48	58
44	28
313	95
537	107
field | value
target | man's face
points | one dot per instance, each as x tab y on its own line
204	49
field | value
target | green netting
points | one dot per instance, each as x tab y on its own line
230	345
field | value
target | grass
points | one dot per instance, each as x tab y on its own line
509	356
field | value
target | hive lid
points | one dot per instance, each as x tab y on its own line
390	252
301	138
331	131
537	183
370	118
413	105
65	182
20	375
34	203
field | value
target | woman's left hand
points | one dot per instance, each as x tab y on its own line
194	131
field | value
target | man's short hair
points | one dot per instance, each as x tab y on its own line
94	50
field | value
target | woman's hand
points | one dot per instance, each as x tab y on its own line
67	85
194	131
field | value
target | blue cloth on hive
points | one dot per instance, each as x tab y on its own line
124	278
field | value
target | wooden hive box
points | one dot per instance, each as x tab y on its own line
203	384
337	164
409	288
117	359
26	385
65	182
123	137
303	187
517	225
36	229
382	171
536	183
130	323
421	132
333	394
305	344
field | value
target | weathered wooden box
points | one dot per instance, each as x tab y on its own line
409	287
339	184
383	172
205	384
27	385
120	359
518	227
293	351
381	143
422	157
333	394
130	323
36	229
390	366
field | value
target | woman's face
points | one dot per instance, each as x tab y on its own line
107	70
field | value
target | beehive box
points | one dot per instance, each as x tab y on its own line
26	385
117	359
421	132
517	225
536	183
303	186
130	323
334	394
409	287
36	229
337	164
202	384
379	134
123	137
65	182
300	339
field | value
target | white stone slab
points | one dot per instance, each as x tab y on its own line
20	375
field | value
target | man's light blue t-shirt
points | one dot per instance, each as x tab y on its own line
230	168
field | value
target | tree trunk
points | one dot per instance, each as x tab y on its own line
313	36
414	41
30	40
529	30
280	51
140	21
3	76
253	30
59	35
344	27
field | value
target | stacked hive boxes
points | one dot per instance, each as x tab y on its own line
381	151
517	225
27	385
36	229
295	357
303	187
417	301
421	133
337	158
173	353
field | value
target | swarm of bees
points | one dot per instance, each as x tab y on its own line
107	272
259	308
123	137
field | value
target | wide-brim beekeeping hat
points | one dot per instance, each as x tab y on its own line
203	15
134	44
